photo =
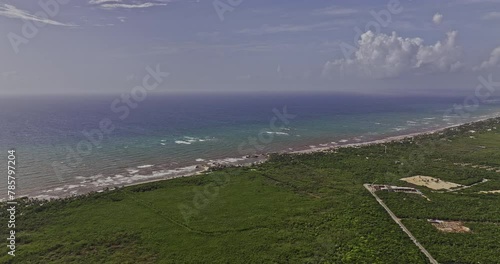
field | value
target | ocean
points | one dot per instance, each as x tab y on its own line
68	145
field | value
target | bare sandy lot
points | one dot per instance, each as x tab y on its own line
497	191
450	226
431	182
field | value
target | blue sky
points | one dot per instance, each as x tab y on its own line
91	46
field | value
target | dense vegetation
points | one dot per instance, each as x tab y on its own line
309	208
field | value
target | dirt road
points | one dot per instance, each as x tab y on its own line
398	221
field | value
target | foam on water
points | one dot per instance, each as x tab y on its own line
187	140
277	133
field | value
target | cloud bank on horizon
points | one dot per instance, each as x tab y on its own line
56	46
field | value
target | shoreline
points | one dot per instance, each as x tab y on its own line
380	141
391	138
151	173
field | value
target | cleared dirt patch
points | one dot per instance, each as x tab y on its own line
431	182
450	226
496	191
488	168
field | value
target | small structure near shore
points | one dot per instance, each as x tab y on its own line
399	189
390	188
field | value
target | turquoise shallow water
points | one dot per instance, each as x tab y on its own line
51	133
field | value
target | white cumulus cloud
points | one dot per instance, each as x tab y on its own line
437	18
493	61
491	16
389	56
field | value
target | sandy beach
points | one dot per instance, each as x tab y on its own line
384	140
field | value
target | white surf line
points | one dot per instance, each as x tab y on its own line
398	221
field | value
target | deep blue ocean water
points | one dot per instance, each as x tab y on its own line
49	132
